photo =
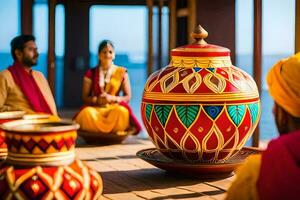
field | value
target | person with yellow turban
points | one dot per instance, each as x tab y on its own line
275	174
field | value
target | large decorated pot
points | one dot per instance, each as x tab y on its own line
200	107
6	117
41	163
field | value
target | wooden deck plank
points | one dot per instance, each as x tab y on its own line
204	189
172	191
219	196
223	183
148	194
201	187
124	196
104	198
125	176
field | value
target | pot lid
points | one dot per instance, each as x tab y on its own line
200	51
200	47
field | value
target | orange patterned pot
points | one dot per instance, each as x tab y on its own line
200	108
75	181
41	163
6	117
40	142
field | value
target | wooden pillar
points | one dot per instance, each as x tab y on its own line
257	56
172	24
191	18
297	27
159	51
76	50
150	37
26	16
51	45
217	17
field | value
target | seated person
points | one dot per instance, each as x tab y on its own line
276	173
21	87
106	111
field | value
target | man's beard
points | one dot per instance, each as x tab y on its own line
30	61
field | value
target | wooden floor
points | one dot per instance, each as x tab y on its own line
125	176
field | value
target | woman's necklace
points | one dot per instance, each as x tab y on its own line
105	76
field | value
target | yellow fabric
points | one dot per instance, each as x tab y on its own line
244	186
115	82
284	84
110	118
12	97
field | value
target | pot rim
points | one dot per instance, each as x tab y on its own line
32	126
12	114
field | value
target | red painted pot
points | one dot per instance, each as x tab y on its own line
41	162
200	107
6	117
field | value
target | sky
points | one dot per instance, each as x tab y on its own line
8	10
127	26
278	26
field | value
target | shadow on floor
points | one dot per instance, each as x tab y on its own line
152	179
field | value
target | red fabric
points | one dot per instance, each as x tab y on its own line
280	169
133	118
93	74
29	88
199	54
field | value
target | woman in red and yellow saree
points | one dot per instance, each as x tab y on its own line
105	110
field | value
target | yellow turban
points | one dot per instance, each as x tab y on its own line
284	84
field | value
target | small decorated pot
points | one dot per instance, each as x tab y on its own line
41	163
40	142
200	107
6	117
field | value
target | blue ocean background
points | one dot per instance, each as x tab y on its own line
138	76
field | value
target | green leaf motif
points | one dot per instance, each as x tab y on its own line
254	110
236	113
187	114
162	112
148	111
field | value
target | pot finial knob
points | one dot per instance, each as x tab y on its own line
199	34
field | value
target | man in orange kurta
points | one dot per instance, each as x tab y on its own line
21	87
276	173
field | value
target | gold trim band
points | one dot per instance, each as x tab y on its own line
200	97
3	150
44	159
3	154
202	62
